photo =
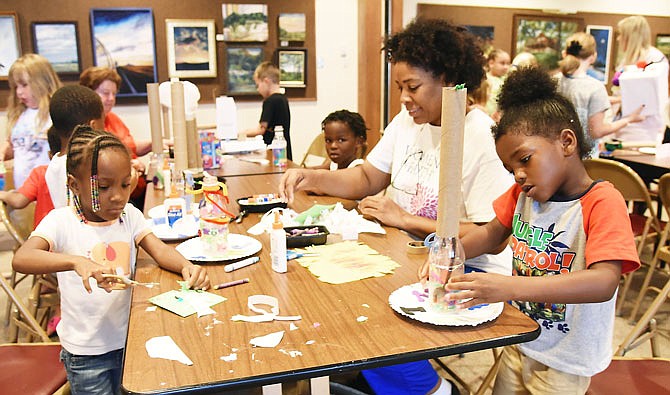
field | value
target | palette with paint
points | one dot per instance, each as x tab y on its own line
260	203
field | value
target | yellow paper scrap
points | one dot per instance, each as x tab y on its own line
346	261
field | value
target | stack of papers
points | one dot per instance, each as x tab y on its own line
235	146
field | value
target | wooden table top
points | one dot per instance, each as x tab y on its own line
329	336
240	165
649	167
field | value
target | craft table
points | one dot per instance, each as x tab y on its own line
331	337
234	165
649	167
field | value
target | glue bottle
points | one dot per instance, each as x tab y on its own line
175	207
278	245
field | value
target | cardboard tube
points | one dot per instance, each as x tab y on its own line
155	118
179	127
166	122
192	144
451	161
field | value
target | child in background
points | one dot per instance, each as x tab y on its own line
70	106
32	81
555	211
275	106
345	135
97	236
497	64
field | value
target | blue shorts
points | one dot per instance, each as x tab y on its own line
93	374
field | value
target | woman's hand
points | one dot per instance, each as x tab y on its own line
196	277
481	287
291	181
636	115
384	210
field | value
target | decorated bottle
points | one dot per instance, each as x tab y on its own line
279	145
214	217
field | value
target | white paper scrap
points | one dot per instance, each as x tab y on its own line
269	340
310	342
230	357
152	308
362	318
164	347
293	326
291	353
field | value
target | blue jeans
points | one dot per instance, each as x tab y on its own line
93	374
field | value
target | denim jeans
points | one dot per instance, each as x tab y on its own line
93	374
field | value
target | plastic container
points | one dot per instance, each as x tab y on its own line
279	145
305	235
278	245
213	217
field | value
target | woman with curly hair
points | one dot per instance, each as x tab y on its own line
427	55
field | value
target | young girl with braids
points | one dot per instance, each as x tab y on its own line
571	240
98	236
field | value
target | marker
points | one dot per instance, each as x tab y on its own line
232	283
241	264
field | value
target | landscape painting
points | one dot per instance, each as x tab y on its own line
245	22
123	38
10	47
292	27
543	36
292	67
57	42
191	48
242	63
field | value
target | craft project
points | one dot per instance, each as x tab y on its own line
183	228
239	246
254	302
412	301
186	302
345	262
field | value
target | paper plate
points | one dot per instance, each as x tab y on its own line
239	246
157	212
412	301
183	229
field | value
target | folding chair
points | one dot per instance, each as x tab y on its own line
632	376
646	228
662	253
30	368
487	381
316	153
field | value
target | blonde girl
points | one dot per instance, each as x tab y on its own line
32	81
497	64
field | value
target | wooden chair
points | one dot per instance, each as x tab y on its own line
487	381
30	368
662	253
316	153
646	228
632	376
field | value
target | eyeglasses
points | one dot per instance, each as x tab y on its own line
410	189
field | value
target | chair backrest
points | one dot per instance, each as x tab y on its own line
624	179
27	321
16	234
316	153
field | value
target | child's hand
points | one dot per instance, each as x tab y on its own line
481	287
86	269
196	277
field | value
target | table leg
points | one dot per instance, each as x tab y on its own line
320	385
272	389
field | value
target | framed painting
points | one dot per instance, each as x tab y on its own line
241	64
543	36
484	37
10	45
292	65
245	22
123	38
601	67
292	27
191	48
58	43
663	44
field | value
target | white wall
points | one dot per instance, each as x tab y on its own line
336	28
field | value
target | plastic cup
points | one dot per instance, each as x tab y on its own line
446	259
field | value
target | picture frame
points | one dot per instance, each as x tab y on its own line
191	48
245	22
124	38
10	43
483	35
241	62
292	27
58	42
663	44
292	63
543	36
601	67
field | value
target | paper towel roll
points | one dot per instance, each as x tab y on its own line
179	127
155	118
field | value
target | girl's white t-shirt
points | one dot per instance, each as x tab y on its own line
31	148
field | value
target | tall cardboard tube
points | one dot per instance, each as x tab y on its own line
451	161
179	127
193	144
153	100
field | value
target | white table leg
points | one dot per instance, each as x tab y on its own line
320	385
272	389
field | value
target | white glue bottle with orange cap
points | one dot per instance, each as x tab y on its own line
278	245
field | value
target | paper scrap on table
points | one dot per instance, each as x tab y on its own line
164	347
345	262
254	303
270	340
187	302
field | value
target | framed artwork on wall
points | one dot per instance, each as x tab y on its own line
191	48
292	63
241	64
663	44
292	27
543	36
10	45
123	38
59	43
601	67
484	36
245	22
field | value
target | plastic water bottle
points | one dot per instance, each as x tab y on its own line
279	148
213	218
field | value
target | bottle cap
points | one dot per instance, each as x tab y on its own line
277	224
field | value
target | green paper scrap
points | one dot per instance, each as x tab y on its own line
459	87
313	212
175	302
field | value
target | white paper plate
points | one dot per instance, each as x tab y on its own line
183	229
157	212
412	301
239	246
